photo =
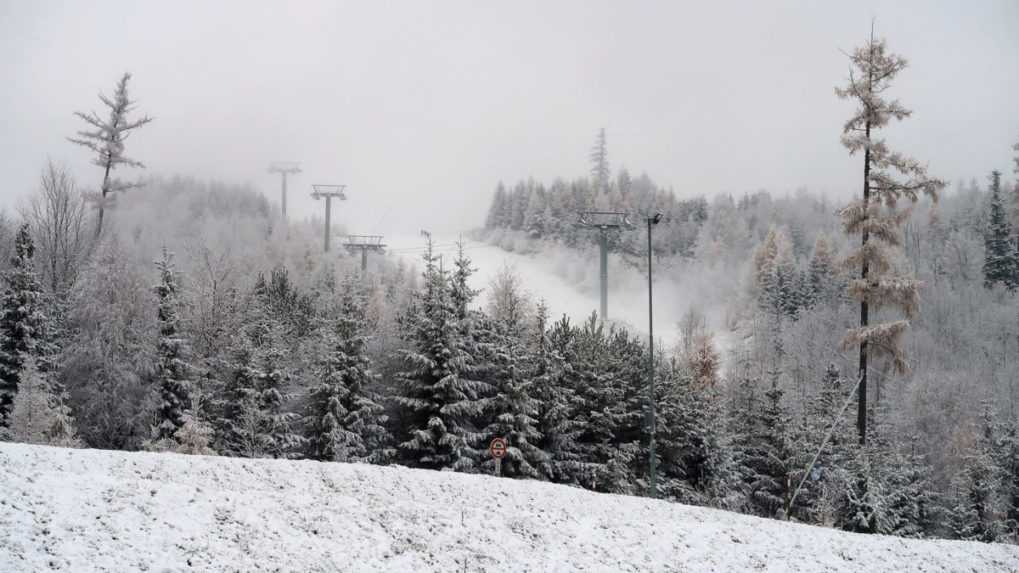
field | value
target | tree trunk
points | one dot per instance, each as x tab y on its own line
861	413
102	196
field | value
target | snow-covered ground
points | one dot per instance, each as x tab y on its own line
91	510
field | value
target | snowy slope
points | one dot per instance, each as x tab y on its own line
91	510
565	280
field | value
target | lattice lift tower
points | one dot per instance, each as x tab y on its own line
365	243
605	222
284	168
328	192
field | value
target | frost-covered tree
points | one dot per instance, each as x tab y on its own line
173	373
554	348
704	361
599	157
343	420
40	414
511	411
780	289
999	253
461	294
105	138
56	214
23	321
822	274
978	512
888	177
1008	462
609	383
770	457
1016	158
440	397
109	351
694	466
254	419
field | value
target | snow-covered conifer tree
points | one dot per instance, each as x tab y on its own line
511	412
554	354
105	138
977	515
1008	463
440	398
600	172
173	371
769	457
254	420
343	421
999	253
822	274
23	324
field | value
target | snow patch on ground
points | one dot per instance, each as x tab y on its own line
93	510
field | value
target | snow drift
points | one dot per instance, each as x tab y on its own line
92	510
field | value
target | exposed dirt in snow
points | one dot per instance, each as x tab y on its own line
91	510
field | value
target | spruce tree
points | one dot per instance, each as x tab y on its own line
999	253
914	508
240	426
496	211
610	386
862	507
254	420
691	465
600	172
512	411
554	359
977	515
24	329
173	372
1008	463
769	456
440	397
343	420
888	177
280	433
822	276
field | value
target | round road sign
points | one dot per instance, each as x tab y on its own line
497	448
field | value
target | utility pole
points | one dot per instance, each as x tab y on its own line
328	192
604	221
364	243
652	406
284	168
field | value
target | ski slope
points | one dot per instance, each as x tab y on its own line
564	279
93	510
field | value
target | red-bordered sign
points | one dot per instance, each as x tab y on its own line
497	448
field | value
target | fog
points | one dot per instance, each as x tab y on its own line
422	108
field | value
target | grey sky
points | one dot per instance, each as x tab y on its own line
422	107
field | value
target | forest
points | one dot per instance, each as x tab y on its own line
188	316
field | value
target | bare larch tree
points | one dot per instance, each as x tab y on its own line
105	138
888	177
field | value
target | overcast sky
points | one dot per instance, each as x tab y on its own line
421	107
